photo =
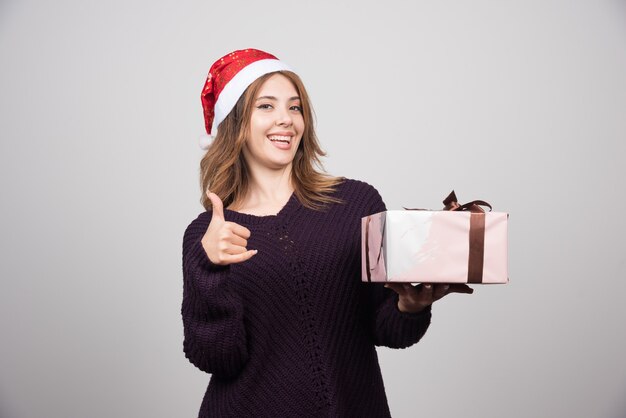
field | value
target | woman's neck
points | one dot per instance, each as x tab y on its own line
268	192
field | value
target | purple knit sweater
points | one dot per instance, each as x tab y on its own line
292	331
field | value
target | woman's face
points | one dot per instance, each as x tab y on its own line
276	125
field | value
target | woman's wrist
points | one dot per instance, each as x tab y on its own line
405	306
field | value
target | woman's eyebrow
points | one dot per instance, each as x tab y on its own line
275	99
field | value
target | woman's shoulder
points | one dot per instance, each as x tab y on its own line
360	194
356	187
198	226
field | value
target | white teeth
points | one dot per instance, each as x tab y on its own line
280	138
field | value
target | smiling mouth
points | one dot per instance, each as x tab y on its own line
280	138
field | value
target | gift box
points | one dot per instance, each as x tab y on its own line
462	244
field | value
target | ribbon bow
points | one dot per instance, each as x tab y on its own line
476	234
451	203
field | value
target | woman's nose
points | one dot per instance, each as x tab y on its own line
283	118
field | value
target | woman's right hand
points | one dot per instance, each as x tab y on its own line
225	242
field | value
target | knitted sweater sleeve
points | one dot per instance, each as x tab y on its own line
214	333
391	327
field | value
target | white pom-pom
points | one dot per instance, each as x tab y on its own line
205	141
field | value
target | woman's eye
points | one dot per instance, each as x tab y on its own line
297	108
264	106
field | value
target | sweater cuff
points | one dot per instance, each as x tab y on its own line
422	315
405	329
426	312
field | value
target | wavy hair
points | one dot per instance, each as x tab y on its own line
224	171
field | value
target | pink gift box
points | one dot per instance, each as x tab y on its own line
435	247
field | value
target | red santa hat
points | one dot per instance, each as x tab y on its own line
228	78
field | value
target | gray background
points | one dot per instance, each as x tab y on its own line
521	103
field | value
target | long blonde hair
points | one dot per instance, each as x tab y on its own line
223	169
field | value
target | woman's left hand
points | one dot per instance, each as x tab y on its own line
413	299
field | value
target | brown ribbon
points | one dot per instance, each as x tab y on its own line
476	257
367	248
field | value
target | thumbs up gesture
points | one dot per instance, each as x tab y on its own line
225	242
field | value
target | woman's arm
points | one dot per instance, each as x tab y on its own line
389	326
212	312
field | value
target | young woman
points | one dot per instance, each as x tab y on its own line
273	304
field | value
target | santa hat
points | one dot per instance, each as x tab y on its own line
228	78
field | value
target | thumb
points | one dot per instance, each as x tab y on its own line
218	206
